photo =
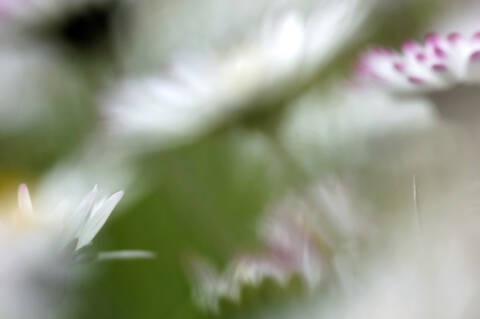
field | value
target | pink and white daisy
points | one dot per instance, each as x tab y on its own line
296	242
441	62
291	247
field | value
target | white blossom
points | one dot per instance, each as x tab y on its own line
300	237
199	91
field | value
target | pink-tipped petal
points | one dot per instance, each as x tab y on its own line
454	37
24	200
436	64
439	68
475	57
440	53
410	46
421	57
432	38
415	80
400	67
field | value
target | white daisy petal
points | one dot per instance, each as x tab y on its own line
76	222
24	200
97	219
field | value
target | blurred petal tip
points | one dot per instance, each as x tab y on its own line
24	200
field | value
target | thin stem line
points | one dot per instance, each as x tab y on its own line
418	218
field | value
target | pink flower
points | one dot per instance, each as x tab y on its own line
440	62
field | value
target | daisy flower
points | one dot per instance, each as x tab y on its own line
440	62
291	248
443	68
405	269
72	221
39	247
198	92
301	236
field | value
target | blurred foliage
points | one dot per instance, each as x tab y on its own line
38	147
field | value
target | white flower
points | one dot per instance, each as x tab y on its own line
38	247
32	273
291	248
77	225
300	236
200	91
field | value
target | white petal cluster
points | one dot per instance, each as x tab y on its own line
42	245
200	90
38	248
69	223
